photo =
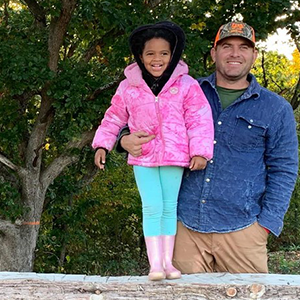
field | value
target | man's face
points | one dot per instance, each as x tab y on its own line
234	57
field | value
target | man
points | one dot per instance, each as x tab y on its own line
226	211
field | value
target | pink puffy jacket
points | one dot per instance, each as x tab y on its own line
179	117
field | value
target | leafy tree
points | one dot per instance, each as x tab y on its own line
295	100
277	73
295	67
60	63
95	231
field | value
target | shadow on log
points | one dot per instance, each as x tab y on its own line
217	286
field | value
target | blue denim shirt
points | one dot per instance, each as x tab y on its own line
254	169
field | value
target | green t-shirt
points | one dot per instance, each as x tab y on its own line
228	96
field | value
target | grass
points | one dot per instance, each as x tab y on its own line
284	262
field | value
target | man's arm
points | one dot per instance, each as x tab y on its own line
132	142
281	157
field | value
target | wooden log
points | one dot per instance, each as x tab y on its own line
216	286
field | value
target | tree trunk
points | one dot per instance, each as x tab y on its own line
17	248
18	240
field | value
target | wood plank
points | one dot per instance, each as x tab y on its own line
216	286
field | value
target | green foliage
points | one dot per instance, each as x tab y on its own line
22	55
10	205
95	231
291	230
285	262
10	133
276	72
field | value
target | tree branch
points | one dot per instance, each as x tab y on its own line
91	51
71	50
281	90
38	12
7	228
106	87
23	99
63	161
7	176
296	96
294	31
298	46
152	3
58	27
6	15
56	167
37	137
264	69
8	163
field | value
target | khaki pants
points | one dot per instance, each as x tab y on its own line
243	251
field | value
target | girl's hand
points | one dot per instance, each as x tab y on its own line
99	160
198	163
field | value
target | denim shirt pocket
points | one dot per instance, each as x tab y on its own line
247	134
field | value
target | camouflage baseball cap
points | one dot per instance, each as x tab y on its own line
239	29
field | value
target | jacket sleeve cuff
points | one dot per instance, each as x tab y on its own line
124	131
106	151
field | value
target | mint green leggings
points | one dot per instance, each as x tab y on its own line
159	188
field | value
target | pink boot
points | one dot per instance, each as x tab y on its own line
168	248
155	257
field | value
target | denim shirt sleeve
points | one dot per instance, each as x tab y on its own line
281	158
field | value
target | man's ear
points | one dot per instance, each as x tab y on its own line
213	54
255	55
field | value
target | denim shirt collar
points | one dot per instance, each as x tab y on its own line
253	90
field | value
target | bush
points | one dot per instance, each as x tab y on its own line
98	231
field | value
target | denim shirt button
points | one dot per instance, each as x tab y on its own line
207	179
249	126
220	123
211	161
215	142
203	201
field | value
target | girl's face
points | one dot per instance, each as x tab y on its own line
156	56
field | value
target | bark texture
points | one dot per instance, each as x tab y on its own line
189	287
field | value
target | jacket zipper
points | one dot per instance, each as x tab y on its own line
160	128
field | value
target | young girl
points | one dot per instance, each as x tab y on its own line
159	97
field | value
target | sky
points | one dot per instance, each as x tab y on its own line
280	42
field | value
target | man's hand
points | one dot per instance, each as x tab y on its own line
133	142
198	163
99	160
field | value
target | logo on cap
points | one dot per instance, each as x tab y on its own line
235	29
